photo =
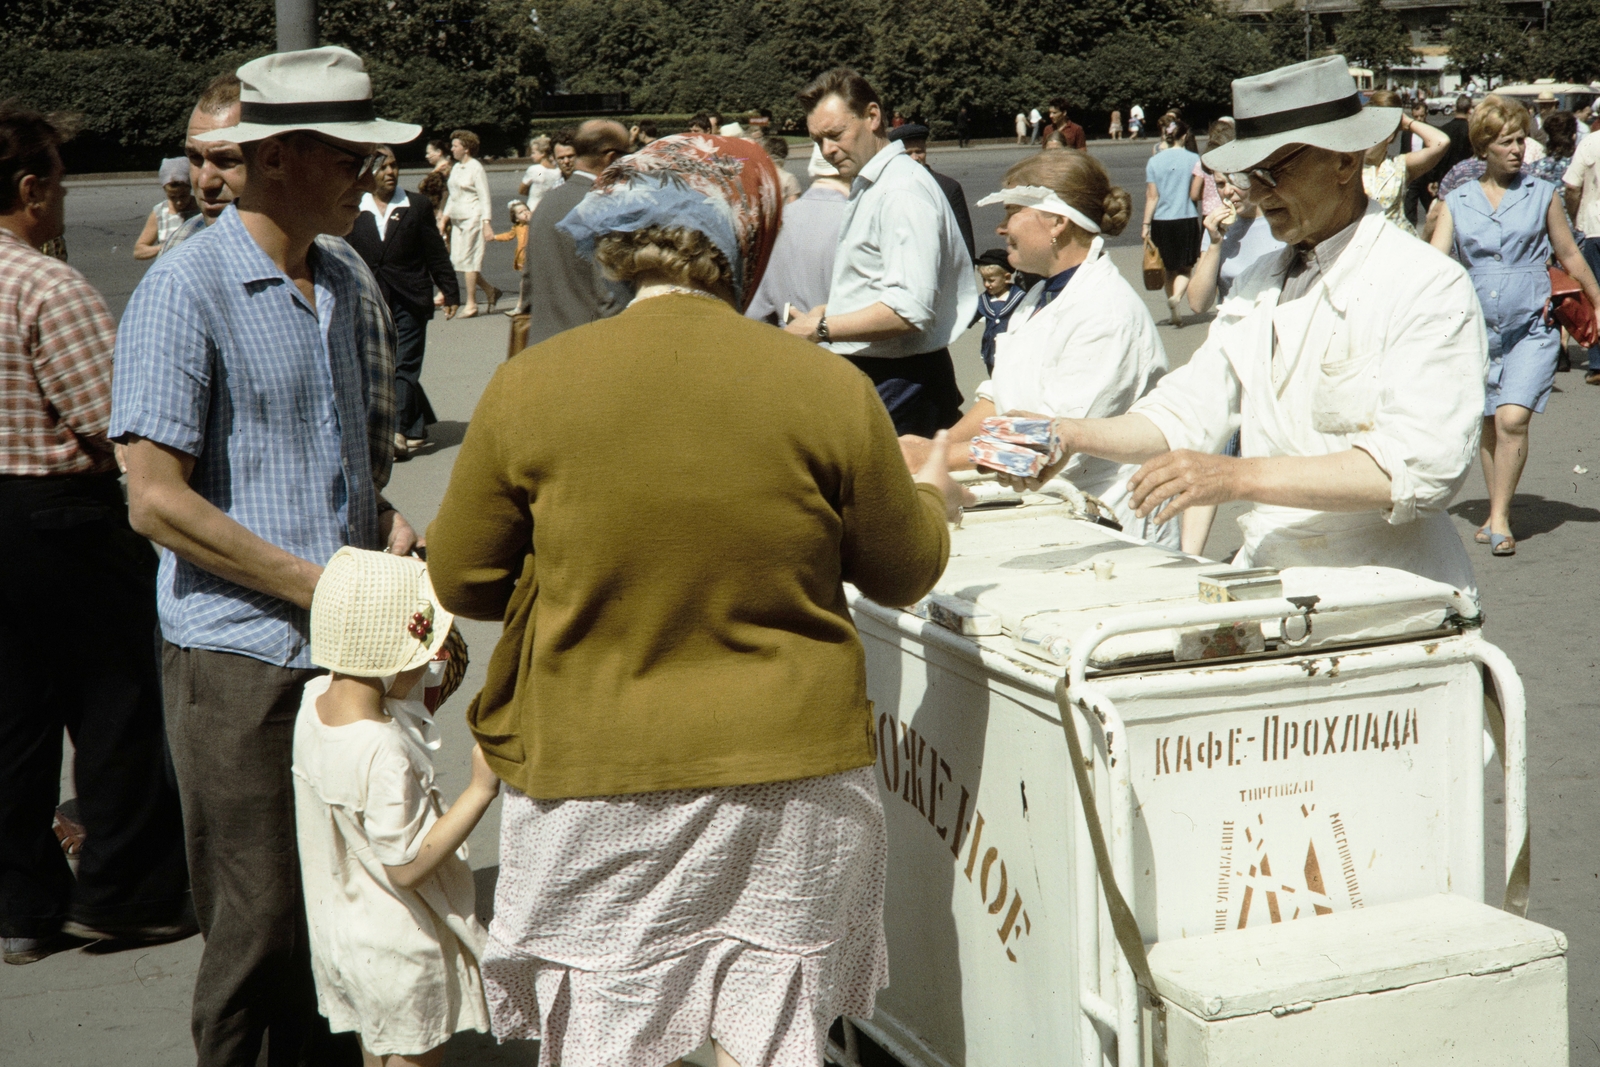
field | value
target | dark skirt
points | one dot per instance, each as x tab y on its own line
1178	241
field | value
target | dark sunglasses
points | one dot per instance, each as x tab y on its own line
1267	176
369	161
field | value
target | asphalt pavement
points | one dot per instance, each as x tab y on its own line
130	1006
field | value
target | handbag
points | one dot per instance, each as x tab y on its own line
1155	274
446	671
519	334
1569	309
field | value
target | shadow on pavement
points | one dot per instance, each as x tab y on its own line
1532	515
446	434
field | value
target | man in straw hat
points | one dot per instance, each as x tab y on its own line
242	399
1352	362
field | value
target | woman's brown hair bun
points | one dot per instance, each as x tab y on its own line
1080	180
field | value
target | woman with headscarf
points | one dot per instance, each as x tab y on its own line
1081	344
662	507
1504	228
166	217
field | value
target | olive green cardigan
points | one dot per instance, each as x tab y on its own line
663	508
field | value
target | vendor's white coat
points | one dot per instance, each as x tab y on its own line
1089	353
1387	354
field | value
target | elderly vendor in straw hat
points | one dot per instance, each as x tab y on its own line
1352	362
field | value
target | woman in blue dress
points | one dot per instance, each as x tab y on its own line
1503	228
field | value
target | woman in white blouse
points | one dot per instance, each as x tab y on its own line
542	174
467	213
1081	343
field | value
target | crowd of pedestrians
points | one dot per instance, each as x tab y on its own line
674	718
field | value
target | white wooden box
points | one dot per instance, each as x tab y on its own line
1437	980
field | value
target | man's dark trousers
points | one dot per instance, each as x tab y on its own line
412	412
231	721
919	391
79	602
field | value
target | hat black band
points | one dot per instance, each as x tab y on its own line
1297	118
311	111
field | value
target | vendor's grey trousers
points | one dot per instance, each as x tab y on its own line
230	723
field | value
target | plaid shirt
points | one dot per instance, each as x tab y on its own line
377	350
221	357
56	341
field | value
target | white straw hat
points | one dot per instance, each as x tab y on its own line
1314	103
375	614
322	89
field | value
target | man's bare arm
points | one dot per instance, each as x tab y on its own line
875	322
163	507
1342	481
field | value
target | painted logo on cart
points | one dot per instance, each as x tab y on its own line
913	770
1283	864
1283	857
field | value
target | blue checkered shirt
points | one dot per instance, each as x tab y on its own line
220	356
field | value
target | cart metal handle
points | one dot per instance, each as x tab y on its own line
1250	611
1101	711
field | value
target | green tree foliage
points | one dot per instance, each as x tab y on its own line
1486	41
441	63
1192	68
1570	49
1372	36
928	58
1285	31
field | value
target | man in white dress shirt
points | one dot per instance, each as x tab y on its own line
903	285
1353	361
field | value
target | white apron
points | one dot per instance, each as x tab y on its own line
1090	353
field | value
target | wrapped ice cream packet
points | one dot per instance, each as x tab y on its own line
1038	434
1009	458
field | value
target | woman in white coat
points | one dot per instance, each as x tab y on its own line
467	220
1081	344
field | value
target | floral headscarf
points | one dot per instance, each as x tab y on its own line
724	187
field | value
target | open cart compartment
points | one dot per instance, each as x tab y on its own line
1332	762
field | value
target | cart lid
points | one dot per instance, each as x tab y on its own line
1293	965
1024	582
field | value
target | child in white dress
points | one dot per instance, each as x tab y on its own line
389	896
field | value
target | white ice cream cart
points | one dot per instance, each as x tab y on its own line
1316	751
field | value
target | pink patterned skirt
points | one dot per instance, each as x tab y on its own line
629	929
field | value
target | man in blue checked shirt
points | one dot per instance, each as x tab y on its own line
243	403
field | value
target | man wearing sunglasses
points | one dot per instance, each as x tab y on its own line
247	401
1352	362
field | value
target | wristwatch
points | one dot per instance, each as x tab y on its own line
822	329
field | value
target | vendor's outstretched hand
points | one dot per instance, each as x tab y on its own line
935	471
1030	484
1182	479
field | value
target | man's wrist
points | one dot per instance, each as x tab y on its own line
823	334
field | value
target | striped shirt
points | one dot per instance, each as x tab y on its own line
221	357
56	341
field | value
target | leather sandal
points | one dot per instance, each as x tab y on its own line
1502	544
1482	536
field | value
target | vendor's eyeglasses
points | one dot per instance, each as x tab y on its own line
369	163
1267	176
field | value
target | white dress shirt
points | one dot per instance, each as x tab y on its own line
1088	354
899	246
381	216
1375	342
